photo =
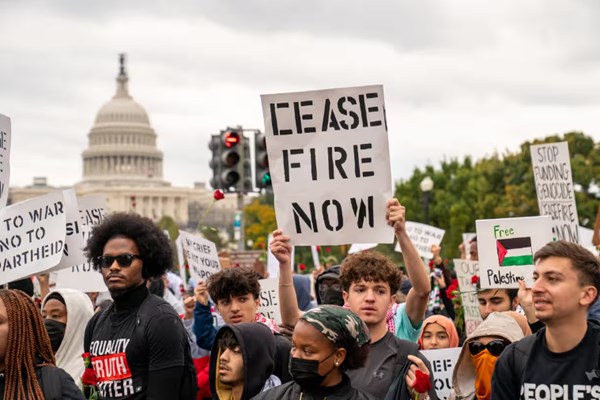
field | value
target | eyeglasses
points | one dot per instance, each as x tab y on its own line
124	260
495	347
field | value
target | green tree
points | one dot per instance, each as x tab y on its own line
497	186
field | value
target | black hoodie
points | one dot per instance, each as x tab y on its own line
332	296
257	345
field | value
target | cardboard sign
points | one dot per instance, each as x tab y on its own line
330	164
273	264
466	239
506	248
201	255
423	237
356	247
244	258
554	188
269	299
465	271
442	362
83	214
586	239
5	140
74	270
32	236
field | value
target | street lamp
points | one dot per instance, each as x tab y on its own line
426	187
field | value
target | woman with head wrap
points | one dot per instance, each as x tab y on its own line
438	332
327	341
66	313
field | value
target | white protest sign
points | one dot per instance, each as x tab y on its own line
466	238
82	214
32	236
75	272
5	139
423	237
272	263
201	255
330	164
586	237
442	362
506	248
465	271
554	188
356	247
269	299
181	261
315	256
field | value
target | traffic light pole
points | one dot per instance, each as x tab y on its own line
240	195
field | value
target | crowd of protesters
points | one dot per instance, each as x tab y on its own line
359	336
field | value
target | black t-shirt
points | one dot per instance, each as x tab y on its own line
127	343
556	376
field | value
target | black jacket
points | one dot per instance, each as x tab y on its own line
56	384
257	345
293	391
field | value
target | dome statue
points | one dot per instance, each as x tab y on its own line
122	144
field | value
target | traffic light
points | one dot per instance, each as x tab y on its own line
226	161
261	161
215	161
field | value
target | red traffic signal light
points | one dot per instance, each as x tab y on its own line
231	139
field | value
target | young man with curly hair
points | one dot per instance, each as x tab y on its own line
369	283
235	292
138	346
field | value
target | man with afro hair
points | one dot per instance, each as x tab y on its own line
138	346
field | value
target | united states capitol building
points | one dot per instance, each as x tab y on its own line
123	162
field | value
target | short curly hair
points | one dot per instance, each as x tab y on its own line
152	243
371	266
234	282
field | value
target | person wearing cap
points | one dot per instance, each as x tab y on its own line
327	341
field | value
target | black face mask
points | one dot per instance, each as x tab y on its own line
331	296
306	372
56	331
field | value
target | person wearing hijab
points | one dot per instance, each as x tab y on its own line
327	341
66	313
472	375
438	332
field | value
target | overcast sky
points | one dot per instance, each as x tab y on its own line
460	77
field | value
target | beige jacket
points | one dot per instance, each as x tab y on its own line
463	376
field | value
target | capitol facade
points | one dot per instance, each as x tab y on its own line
122	161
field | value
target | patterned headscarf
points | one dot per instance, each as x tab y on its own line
342	327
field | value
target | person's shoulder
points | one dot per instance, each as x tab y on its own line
280	392
401	345
360	395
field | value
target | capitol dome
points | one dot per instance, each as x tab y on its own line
122	144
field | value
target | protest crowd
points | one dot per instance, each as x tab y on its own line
521	323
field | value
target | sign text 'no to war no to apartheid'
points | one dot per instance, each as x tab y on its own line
330	164
32	236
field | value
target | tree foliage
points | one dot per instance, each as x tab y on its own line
498	186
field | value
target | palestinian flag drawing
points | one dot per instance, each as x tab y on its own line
514	251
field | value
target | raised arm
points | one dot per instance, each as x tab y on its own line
288	303
418	296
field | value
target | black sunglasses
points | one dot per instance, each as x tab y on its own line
495	347
124	260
